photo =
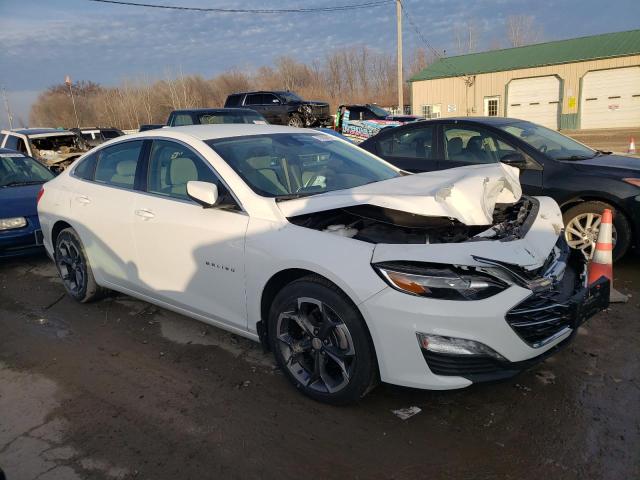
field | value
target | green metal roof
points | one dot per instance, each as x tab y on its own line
550	53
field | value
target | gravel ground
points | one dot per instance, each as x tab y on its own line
122	389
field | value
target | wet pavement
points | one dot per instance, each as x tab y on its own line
121	389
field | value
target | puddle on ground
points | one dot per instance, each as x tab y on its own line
49	325
32	444
192	332
187	331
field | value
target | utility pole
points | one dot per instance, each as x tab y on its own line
400	82
67	81
7	108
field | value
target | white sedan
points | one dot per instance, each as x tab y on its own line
348	269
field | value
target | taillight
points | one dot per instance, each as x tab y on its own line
40	193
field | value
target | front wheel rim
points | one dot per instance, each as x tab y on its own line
295	122
581	232
316	346
71	266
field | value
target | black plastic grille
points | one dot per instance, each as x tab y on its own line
540	317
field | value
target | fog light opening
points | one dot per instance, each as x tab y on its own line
456	346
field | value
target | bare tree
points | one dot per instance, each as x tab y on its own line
522	30
465	37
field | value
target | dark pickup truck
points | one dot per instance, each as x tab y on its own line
283	108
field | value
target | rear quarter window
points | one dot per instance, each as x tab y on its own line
86	167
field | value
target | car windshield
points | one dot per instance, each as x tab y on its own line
291	165
290	96
16	170
219	117
549	142
379	111
55	142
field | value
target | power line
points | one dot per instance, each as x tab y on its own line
337	8
418	32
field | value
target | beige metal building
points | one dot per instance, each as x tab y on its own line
587	82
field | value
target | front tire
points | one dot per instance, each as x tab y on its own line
321	343
582	223
295	120
74	269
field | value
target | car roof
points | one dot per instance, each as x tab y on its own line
211	132
495	121
40	131
202	110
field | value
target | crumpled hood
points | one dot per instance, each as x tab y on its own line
468	194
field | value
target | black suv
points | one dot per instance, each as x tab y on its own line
212	116
583	181
283	108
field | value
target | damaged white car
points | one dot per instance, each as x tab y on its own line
348	269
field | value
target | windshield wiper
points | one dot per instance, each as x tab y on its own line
16	184
293	196
574	157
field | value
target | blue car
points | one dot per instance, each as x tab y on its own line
21	178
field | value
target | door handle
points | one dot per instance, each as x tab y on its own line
83	200
145	214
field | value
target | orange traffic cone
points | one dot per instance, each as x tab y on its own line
601	264
632	146
602	260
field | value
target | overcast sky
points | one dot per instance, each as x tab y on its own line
43	40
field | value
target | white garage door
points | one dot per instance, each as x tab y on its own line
535	99
611	98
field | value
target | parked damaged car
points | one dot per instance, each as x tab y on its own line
50	146
283	108
348	269
214	116
94	136
20	180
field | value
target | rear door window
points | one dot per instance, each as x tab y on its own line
415	143
182	119
254	99
233	100
117	164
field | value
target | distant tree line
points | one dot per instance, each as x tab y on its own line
356	75
349	75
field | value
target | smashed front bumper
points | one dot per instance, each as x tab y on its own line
520	333
563	318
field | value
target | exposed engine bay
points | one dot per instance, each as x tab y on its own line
376	224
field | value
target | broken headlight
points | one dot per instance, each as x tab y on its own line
439	281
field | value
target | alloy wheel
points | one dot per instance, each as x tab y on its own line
581	232
295	121
316	346
71	266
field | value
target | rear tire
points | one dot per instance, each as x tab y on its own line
74	269
321	343
581	227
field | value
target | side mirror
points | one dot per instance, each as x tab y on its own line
276	101
205	193
515	160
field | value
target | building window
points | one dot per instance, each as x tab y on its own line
431	111
491	106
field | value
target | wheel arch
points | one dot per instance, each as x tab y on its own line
280	280
58	226
595	197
